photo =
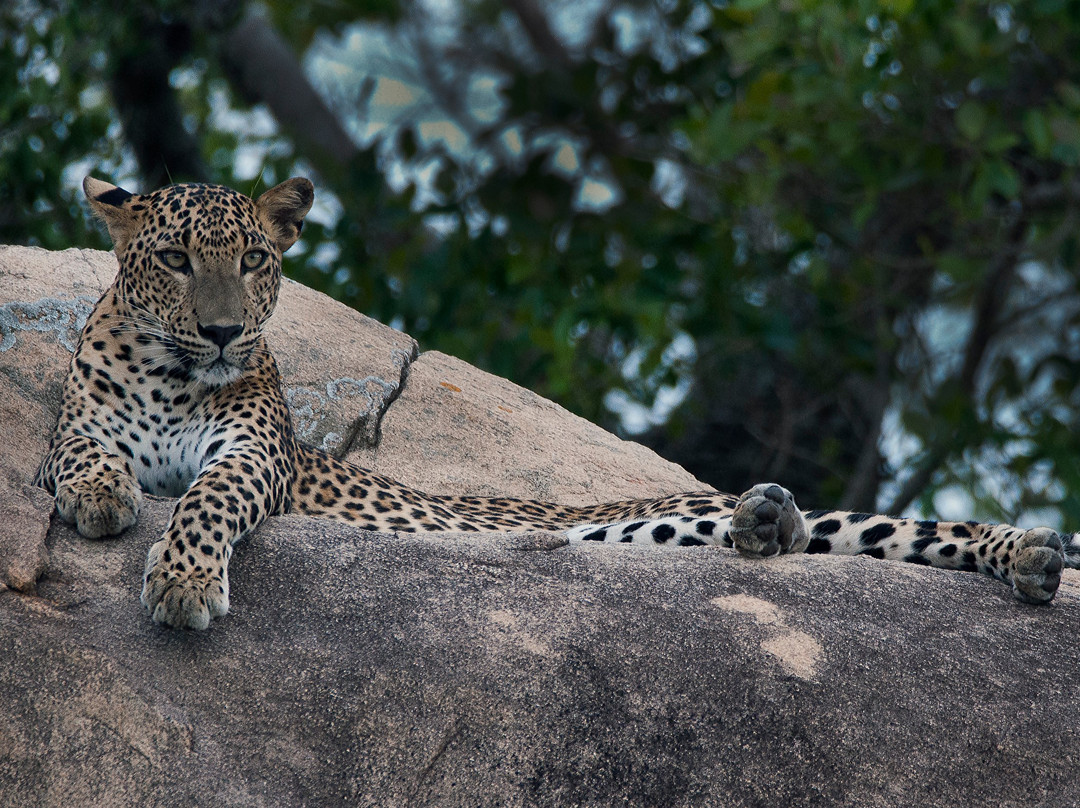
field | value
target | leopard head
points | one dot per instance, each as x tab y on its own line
200	267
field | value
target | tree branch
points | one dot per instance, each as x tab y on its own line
1051	194
264	68
988	308
861	490
149	112
538	29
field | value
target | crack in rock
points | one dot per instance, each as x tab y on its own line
374	421
308	405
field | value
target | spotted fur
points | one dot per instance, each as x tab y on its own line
172	391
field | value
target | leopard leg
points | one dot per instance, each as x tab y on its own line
1030	561
186	582
674	531
763	522
95	490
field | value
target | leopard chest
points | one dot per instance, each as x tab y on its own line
165	429
167	461
143	406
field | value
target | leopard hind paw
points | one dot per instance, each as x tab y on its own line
766	522
1040	557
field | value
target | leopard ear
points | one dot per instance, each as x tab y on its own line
283	209
113	206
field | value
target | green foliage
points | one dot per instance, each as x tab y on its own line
49	119
851	211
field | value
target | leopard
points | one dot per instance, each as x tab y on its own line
172	391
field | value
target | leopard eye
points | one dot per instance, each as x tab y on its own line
253	259
174	259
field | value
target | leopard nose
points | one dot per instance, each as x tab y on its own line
220	335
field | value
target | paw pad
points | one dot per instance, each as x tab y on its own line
766	522
1037	566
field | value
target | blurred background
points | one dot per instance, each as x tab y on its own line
829	244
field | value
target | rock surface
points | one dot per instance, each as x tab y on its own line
458	430
391	670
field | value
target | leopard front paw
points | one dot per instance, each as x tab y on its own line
180	593
104	504
766	522
1037	566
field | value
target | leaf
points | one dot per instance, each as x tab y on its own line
1001	141
899	8
760	94
965	35
1003	178
1066	130
980	188
1038	132
1070	94
971	119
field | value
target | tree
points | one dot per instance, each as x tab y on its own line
829	244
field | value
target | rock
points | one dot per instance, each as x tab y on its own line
458	430
44	299
383	670
24	512
341	369
378	669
